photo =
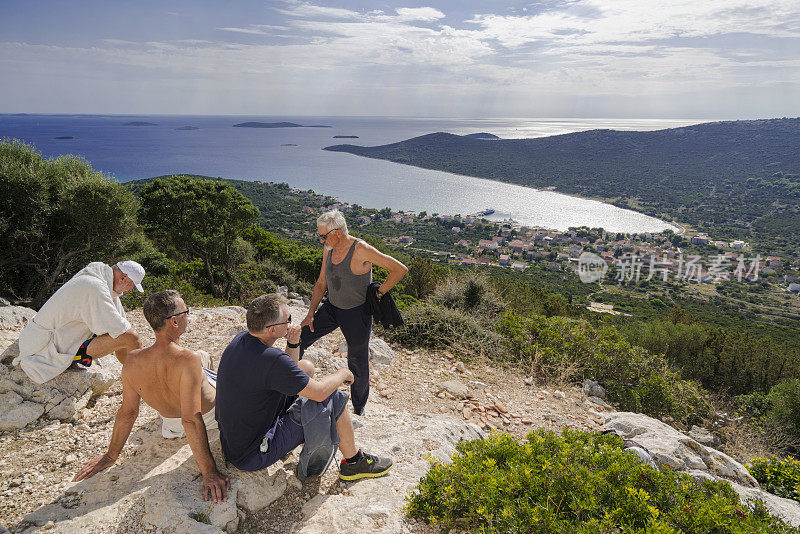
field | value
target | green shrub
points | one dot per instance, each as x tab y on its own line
193	296
438	328
784	405
471	294
780	476
576	482
637	380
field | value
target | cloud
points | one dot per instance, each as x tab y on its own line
308	10
424	14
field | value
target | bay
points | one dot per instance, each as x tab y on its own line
295	156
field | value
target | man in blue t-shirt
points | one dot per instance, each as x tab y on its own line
256	384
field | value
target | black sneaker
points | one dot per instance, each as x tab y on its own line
368	466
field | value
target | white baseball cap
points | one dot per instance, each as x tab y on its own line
134	271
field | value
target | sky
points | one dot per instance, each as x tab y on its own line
707	59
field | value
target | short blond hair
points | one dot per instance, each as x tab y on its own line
333	220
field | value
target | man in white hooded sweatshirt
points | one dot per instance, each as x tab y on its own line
82	321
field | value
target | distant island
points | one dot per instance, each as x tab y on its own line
188	128
289	144
64	137
139	123
277	125
481	135
345	137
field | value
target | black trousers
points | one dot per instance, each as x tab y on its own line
356	325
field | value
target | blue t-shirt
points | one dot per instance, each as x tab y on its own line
253	383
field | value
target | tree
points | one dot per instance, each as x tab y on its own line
422	277
200	219
55	216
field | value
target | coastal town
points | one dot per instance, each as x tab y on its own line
630	257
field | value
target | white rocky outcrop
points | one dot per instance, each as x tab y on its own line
158	487
684	454
23	402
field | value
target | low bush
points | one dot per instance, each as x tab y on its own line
784	405
438	328
637	380
780	476
576	482
472	294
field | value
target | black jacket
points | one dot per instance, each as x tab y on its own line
384	309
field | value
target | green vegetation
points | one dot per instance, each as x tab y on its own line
57	215
636	379
192	218
780	476
576	482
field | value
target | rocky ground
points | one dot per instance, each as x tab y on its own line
421	405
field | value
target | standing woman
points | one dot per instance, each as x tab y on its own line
346	274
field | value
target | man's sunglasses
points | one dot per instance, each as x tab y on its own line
287	321
324	238
179	313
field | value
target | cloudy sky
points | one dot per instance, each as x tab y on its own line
451	58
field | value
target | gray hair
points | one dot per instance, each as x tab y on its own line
159	306
333	220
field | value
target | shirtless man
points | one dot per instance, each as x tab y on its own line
170	379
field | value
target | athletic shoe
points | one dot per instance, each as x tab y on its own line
368	466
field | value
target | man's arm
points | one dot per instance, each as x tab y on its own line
319	390
293	337
319	291
396	269
123	424
215	485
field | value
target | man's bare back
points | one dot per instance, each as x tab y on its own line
171	380
155	374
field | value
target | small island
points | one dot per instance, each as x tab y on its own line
64	137
276	125
345	137
481	135
289	144
188	128
139	123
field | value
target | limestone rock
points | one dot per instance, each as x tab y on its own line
159	489
380	353
704	437
22	401
600	402
14	317
593	389
680	452
376	505
684	454
336	363
259	489
316	355
16	413
455	388
11	352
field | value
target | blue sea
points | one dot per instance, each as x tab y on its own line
295	156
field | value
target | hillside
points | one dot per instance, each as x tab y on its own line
422	404
725	173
